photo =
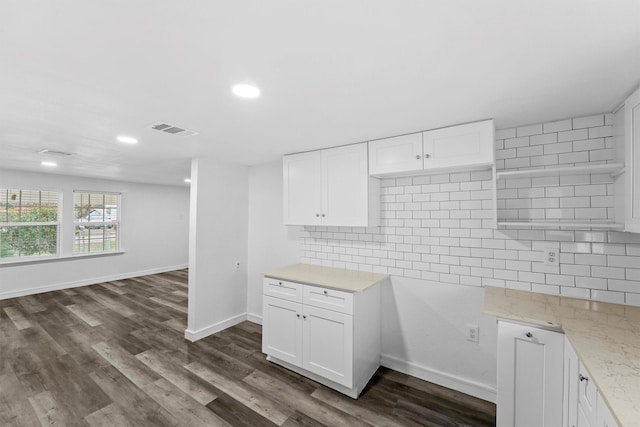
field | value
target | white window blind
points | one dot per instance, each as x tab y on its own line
96	221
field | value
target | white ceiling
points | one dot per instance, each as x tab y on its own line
74	74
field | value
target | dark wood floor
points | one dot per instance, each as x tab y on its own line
114	355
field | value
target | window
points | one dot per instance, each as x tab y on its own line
29	225
97	221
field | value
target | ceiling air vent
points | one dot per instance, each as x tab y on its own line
54	153
174	130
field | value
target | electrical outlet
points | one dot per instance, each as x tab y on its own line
473	333
237	265
552	257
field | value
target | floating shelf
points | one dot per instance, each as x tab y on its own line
582	225
614	169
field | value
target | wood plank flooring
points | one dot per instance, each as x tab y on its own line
114	354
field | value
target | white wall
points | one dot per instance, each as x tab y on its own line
153	233
271	244
217	239
424	333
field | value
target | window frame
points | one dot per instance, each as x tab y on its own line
104	225
57	223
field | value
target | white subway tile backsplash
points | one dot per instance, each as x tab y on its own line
575	292
587	122
529	130
437	227
591	282
573	135
607	296
600	132
557	126
547	138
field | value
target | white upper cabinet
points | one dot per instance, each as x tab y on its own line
471	144
396	155
330	187
457	147
627	125
302	177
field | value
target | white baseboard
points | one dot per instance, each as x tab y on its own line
87	282
255	318
454	382
196	335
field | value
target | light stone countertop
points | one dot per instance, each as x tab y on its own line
605	336
335	278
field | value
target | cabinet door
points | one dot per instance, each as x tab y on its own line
530	368
302	188
328	344
605	419
632	160
345	186
282	329
571	385
396	155
463	145
587	400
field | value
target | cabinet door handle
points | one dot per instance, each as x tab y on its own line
529	334
418	156
426	156
317	215
323	215
298	315
582	378
304	316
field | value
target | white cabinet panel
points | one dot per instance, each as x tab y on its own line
396	155
330	299
282	289
345	178
632	161
282	329
328	344
464	145
530	376
605	419
587	395
302	186
571	385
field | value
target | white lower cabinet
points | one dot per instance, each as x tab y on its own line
584	406
571	385
530	376
327	344
328	335
605	419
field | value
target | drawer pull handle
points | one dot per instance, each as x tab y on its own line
280	283
325	292
582	378
529	334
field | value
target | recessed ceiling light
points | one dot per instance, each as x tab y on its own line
187	180
50	164
127	139
246	91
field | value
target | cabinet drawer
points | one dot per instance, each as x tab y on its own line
330	299
282	289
